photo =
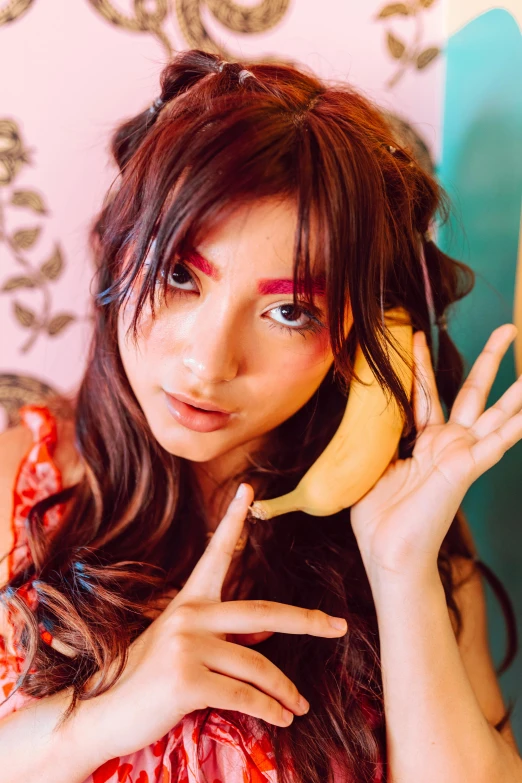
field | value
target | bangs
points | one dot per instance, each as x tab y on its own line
194	171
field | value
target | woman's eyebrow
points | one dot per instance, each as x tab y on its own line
265	286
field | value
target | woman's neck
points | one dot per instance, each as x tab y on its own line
212	484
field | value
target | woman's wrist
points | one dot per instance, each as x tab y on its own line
66	753
86	731
104	735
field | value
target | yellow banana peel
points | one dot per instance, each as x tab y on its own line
363	445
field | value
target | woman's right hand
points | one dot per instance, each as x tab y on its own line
183	662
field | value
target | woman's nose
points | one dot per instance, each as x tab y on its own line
212	353
206	374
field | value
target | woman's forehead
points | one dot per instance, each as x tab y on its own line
266	228
267	223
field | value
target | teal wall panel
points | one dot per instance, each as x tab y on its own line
481	168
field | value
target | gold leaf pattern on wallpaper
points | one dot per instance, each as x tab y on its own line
239	19
409	54
29	275
145	20
14	10
27	198
17	390
149	17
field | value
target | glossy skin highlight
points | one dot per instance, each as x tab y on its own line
225	340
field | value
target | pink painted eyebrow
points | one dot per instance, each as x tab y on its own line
266	285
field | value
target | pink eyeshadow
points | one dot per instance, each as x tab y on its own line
265	286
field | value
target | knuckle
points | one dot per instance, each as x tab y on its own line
183	618
261	608
293	692
188	688
283	688
472	384
181	646
257	662
241	695
313	616
275	711
273	678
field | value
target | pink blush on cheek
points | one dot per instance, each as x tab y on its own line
320	348
309	363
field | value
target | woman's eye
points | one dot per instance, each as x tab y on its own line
304	321
180	275
295	315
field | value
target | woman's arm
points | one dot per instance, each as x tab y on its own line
436	729
439	727
32	752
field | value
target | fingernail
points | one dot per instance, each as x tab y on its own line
302	705
288	716
338	622
241	492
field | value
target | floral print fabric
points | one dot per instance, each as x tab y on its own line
206	746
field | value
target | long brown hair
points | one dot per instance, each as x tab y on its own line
278	132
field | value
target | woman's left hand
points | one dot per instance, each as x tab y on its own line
401	522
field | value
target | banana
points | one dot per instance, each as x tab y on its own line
363	445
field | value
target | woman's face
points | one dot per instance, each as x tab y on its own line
227	335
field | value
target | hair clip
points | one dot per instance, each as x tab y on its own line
156	106
393	150
221	64
244	74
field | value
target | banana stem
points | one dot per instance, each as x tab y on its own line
266	509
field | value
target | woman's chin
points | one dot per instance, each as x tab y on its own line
194	446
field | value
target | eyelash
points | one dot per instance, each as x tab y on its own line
313	327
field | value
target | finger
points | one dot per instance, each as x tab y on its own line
426	404
250	666
206	580
260	616
490	450
231	694
507	406
472	397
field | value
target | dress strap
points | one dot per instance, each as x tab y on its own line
37	478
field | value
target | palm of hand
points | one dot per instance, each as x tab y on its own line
401	522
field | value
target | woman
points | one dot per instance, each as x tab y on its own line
261	226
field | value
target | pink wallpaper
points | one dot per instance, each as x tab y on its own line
72	71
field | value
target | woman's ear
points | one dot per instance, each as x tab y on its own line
364	444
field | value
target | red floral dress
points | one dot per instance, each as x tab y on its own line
206	746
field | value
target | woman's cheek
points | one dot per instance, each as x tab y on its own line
307	362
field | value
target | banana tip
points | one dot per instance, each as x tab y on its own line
258	510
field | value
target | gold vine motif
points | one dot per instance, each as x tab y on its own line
13	156
149	17
17	390
413	54
14	10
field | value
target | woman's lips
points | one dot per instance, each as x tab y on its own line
195	418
